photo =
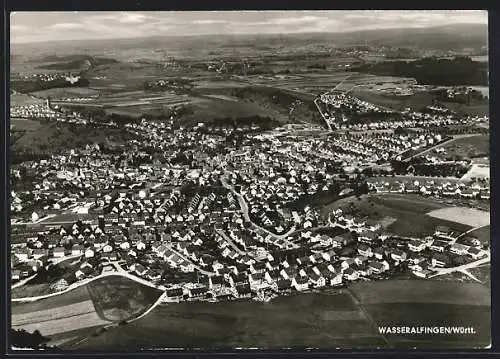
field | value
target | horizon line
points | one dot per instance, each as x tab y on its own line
245	34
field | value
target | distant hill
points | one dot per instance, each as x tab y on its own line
72	62
449	37
27	86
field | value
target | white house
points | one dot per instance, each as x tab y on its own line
416	245
89	253
300	283
460	249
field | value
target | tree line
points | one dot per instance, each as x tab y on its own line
431	71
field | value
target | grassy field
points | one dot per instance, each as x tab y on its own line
318	320
477	171
67	92
483	234
60	314
30	290
59	320
20	99
75	315
417	101
117	298
483	273
42	283
468	216
421	291
23	125
421	314
77	295
345	319
316	83
216	108
429	303
468	147
403	214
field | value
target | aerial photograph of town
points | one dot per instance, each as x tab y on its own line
234	180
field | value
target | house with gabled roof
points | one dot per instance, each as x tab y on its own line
351	274
174	294
476	253
459	249
197	292
398	254
258	267
39	253
416	245
316	280
378	267
243	291
257	281
59	252
288	273
300	283
77	250
365	250
284	286
439	246
444	233
238	279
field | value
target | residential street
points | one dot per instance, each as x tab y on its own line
244	209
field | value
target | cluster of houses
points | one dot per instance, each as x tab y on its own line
38	111
76	99
90	171
376	148
45	76
38	250
46	111
354	104
175	202
460	92
246	262
422	255
445	189
347	105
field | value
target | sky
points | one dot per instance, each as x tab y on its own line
47	26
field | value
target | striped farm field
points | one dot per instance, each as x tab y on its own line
63	319
85	310
51	314
67	312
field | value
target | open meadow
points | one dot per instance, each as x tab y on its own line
477	170
59	320
75	315
403	215
20	99
117	298
67	312
468	216
67	92
483	234
468	147
417	101
428	303
319	320
345	318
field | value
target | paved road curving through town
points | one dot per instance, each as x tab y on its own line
244	209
